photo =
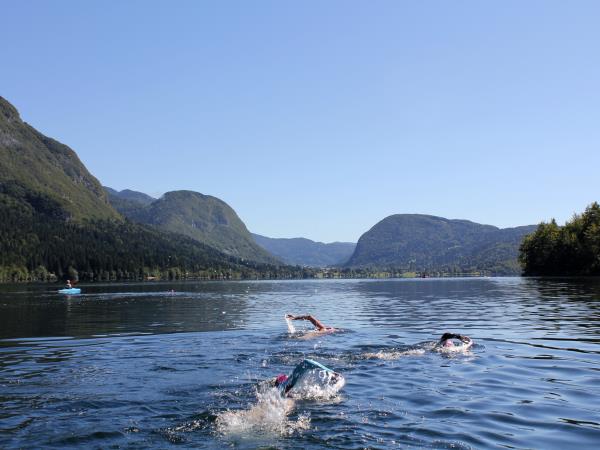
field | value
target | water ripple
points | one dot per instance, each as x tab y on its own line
138	366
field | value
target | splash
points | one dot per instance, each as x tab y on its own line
456	349
269	415
394	354
290	325
318	385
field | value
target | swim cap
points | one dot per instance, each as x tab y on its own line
281	378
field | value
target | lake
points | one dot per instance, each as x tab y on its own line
159	365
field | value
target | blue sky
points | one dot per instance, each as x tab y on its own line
320	118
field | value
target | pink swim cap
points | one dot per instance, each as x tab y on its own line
281	378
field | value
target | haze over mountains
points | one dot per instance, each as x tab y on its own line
304	252
56	217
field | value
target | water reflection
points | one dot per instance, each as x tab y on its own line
138	366
123	309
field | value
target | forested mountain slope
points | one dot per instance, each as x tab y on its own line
40	164
56	222
204	218
416	242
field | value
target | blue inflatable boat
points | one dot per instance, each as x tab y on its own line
69	291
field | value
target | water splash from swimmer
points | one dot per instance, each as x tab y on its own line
464	348
318	385
290	326
268	415
396	353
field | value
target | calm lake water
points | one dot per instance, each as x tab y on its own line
136	366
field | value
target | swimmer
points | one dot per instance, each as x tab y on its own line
285	383
318	325
447	342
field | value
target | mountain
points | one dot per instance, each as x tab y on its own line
37	163
204	218
37	244
422	243
304	252
56	222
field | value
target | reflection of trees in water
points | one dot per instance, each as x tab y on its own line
132	308
573	289
503	303
565	301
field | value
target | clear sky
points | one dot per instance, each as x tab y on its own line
320	118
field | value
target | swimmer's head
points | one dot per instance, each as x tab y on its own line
446	336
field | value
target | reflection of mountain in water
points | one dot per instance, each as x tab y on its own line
126	309
433	303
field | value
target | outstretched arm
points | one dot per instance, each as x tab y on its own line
318	325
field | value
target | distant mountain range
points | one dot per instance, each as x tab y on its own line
422	243
304	252
56	218
210	220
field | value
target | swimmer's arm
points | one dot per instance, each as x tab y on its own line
318	325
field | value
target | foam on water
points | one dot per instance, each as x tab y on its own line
456	348
318	385
390	354
418	350
386	354
268	415
270	412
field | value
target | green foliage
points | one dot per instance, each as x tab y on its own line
573	249
38	244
